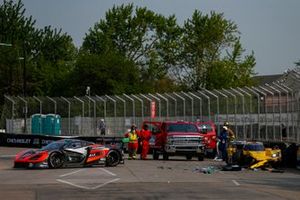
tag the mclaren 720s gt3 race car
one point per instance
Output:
(70, 153)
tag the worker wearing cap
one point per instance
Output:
(133, 142)
(231, 135)
(230, 146)
(223, 139)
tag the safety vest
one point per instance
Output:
(133, 137)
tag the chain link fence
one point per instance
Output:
(265, 113)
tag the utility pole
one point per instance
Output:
(24, 69)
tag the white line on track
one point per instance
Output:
(7, 156)
(111, 181)
(70, 173)
(236, 183)
(85, 187)
(73, 184)
(105, 170)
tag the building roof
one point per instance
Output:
(266, 79)
(290, 78)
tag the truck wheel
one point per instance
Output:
(211, 154)
(165, 156)
(155, 154)
(189, 157)
(200, 158)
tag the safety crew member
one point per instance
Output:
(133, 142)
(223, 139)
(145, 136)
(231, 135)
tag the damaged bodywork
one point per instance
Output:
(252, 155)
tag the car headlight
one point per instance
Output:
(274, 155)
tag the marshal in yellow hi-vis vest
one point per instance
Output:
(133, 137)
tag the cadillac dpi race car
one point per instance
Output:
(69, 153)
(252, 155)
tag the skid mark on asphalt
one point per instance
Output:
(89, 179)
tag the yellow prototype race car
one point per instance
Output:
(253, 155)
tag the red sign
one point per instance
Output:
(152, 108)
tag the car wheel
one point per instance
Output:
(112, 159)
(200, 158)
(155, 155)
(246, 161)
(55, 160)
(189, 157)
(211, 154)
(165, 156)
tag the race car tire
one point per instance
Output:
(55, 160)
(112, 159)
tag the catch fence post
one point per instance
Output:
(12, 111)
(183, 99)
(82, 114)
(200, 104)
(69, 114)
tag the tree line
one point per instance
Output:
(131, 50)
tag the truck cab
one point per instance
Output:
(170, 138)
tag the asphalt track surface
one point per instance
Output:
(139, 179)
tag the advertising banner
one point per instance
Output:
(37, 141)
(153, 109)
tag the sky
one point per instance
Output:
(269, 28)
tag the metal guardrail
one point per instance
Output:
(263, 113)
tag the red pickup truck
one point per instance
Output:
(170, 138)
(209, 133)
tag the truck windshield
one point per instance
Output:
(181, 128)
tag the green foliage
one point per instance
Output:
(14, 28)
(232, 71)
(131, 50)
(202, 64)
(140, 35)
(47, 55)
(104, 74)
(54, 60)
